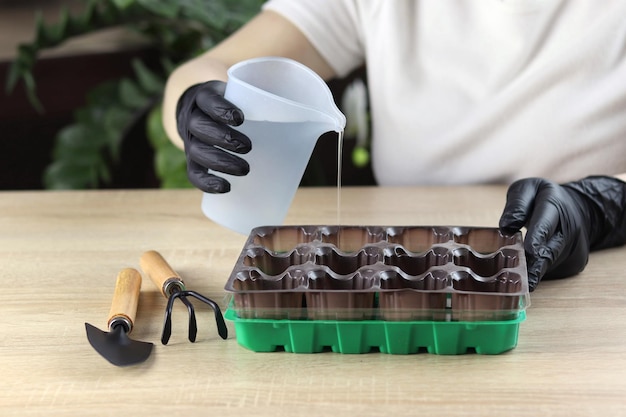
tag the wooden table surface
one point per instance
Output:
(61, 251)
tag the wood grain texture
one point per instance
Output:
(160, 272)
(60, 252)
(125, 297)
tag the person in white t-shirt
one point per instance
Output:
(530, 93)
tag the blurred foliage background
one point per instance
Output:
(86, 150)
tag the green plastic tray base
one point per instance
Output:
(393, 337)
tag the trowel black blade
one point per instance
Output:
(116, 347)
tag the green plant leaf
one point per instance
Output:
(160, 7)
(178, 179)
(51, 35)
(123, 4)
(72, 138)
(104, 173)
(116, 122)
(131, 95)
(149, 81)
(103, 95)
(65, 175)
(171, 167)
(154, 128)
(21, 69)
(80, 139)
(170, 163)
(31, 92)
(83, 22)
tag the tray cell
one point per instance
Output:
(343, 298)
(418, 264)
(407, 298)
(483, 240)
(419, 239)
(344, 264)
(478, 298)
(351, 238)
(283, 239)
(486, 265)
(272, 264)
(260, 297)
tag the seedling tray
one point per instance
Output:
(399, 290)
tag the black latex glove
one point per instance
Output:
(565, 222)
(203, 119)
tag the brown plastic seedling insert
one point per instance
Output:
(400, 273)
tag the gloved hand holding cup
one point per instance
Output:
(285, 107)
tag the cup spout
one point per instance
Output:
(332, 119)
(340, 121)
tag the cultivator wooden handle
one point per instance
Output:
(161, 273)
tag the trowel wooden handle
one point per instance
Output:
(161, 273)
(125, 298)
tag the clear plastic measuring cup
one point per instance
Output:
(286, 108)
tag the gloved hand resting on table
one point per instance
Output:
(204, 119)
(565, 222)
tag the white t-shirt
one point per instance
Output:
(481, 91)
